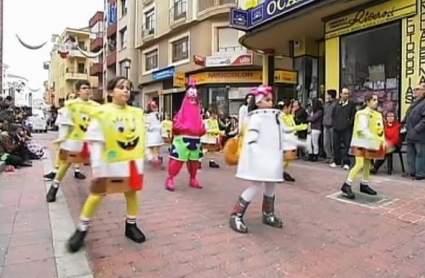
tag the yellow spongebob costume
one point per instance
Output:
(73, 120)
(290, 147)
(368, 141)
(116, 136)
(167, 126)
(210, 141)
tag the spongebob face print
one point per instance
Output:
(127, 138)
(80, 115)
(84, 122)
(376, 124)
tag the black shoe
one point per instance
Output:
(288, 177)
(346, 189)
(79, 176)
(50, 176)
(76, 241)
(364, 188)
(309, 157)
(315, 158)
(269, 218)
(417, 178)
(236, 217)
(51, 194)
(214, 165)
(374, 171)
(134, 233)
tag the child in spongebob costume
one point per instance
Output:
(73, 122)
(77, 171)
(292, 143)
(117, 142)
(188, 128)
(368, 143)
(167, 125)
(210, 141)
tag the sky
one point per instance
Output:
(35, 21)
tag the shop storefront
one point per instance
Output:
(366, 46)
(226, 90)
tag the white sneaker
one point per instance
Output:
(332, 165)
(346, 167)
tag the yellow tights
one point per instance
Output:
(93, 201)
(154, 151)
(286, 164)
(361, 163)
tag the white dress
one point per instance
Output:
(262, 152)
(154, 127)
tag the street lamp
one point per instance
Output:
(127, 64)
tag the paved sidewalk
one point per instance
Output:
(188, 234)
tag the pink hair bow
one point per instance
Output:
(261, 90)
(192, 82)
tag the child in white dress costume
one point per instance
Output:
(261, 158)
(154, 135)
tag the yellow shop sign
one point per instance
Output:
(369, 17)
(289, 77)
(179, 80)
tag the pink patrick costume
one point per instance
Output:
(188, 129)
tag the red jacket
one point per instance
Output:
(392, 134)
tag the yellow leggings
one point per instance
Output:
(286, 164)
(154, 151)
(62, 167)
(361, 163)
(93, 201)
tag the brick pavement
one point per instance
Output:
(188, 234)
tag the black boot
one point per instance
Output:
(236, 218)
(310, 157)
(51, 194)
(315, 158)
(269, 218)
(50, 176)
(76, 241)
(134, 233)
(365, 188)
(79, 176)
(214, 165)
(346, 189)
(288, 177)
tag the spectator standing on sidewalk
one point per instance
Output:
(327, 124)
(415, 136)
(343, 120)
(315, 129)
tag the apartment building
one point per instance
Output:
(119, 41)
(96, 45)
(64, 72)
(181, 39)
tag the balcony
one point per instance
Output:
(98, 17)
(96, 44)
(148, 31)
(112, 30)
(111, 59)
(178, 13)
(96, 69)
(71, 74)
(215, 7)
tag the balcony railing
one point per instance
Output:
(111, 59)
(98, 93)
(96, 69)
(178, 11)
(236, 48)
(207, 4)
(148, 29)
(96, 44)
(71, 74)
(112, 30)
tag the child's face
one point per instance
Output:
(390, 117)
(266, 102)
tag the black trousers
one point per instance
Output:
(341, 143)
(14, 160)
(378, 163)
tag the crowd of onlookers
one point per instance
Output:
(331, 124)
(17, 147)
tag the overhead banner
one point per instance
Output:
(412, 55)
(369, 17)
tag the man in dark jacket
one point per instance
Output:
(415, 136)
(327, 124)
(343, 121)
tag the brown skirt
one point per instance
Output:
(111, 186)
(369, 154)
(290, 155)
(72, 157)
(211, 147)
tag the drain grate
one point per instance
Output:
(363, 199)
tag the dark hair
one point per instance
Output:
(9, 98)
(368, 97)
(81, 83)
(112, 84)
(332, 93)
(252, 105)
(316, 105)
(245, 102)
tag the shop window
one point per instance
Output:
(180, 49)
(219, 100)
(151, 60)
(370, 62)
(123, 38)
